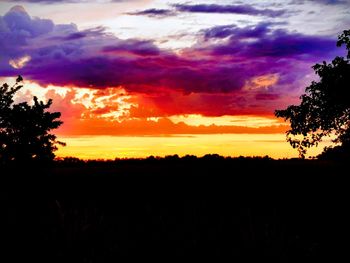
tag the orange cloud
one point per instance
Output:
(261, 82)
(162, 126)
(113, 111)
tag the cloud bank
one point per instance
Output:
(227, 71)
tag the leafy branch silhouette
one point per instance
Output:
(325, 107)
(25, 129)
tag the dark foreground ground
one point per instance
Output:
(241, 210)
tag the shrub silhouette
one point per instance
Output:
(25, 129)
(325, 106)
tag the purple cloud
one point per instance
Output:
(210, 8)
(18, 21)
(267, 96)
(241, 33)
(269, 51)
(60, 54)
(228, 9)
(261, 41)
(153, 12)
(325, 2)
(137, 47)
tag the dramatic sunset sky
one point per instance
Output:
(134, 78)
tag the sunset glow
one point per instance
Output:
(105, 147)
(150, 77)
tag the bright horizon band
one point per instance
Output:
(234, 145)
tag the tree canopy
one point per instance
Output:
(25, 129)
(325, 107)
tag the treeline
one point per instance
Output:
(157, 159)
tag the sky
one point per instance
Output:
(152, 77)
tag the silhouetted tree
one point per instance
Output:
(325, 106)
(25, 129)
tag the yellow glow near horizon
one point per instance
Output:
(226, 120)
(110, 147)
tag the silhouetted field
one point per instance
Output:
(243, 209)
